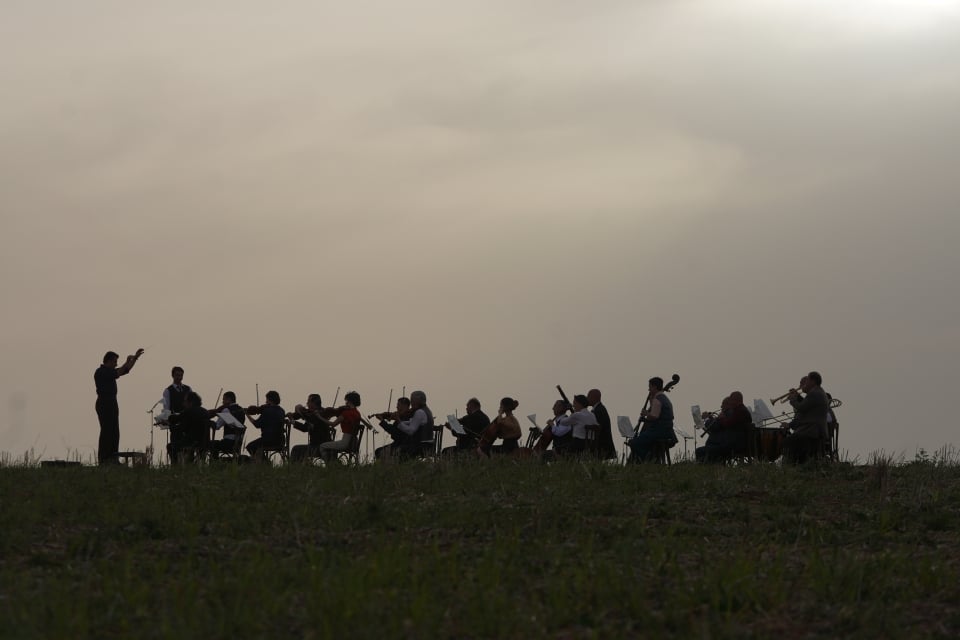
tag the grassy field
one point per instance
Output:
(497, 549)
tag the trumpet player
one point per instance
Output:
(809, 425)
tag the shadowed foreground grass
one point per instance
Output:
(480, 550)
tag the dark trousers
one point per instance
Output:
(799, 449)
(644, 447)
(108, 413)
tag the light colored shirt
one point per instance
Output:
(166, 396)
(411, 426)
(576, 422)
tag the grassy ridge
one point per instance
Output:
(480, 550)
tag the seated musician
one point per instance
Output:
(310, 420)
(579, 421)
(271, 424)
(349, 421)
(809, 425)
(389, 421)
(561, 443)
(189, 430)
(232, 435)
(414, 436)
(657, 431)
(504, 426)
(727, 431)
(474, 422)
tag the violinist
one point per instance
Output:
(412, 434)
(271, 425)
(309, 419)
(504, 426)
(348, 419)
(389, 421)
(190, 430)
(232, 434)
(474, 422)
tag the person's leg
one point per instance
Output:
(108, 413)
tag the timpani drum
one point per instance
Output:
(769, 443)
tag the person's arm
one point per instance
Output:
(411, 426)
(562, 426)
(125, 368)
(654, 412)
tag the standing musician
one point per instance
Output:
(474, 422)
(271, 425)
(504, 426)
(603, 445)
(189, 430)
(174, 395)
(108, 410)
(232, 436)
(657, 429)
(809, 424)
(309, 419)
(727, 431)
(348, 418)
(390, 420)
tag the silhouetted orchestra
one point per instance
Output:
(577, 429)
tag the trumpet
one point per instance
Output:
(784, 397)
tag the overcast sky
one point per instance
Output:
(480, 198)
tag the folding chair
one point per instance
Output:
(282, 450)
(351, 456)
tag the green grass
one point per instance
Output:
(502, 549)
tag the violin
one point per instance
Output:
(393, 415)
(333, 412)
(253, 410)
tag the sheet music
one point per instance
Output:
(697, 416)
(455, 425)
(227, 418)
(533, 418)
(625, 426)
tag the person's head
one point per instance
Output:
(314, 402)
(593, 397)
(192, 399)
(110, 359)
(814, 379)
(656, 384)
(508, 404)
(177, 374)
(418, 399)
(352, 398)
(403, 404)
(273, 397)
(736, 399)
(726, 404)
(560, 407)
(229, 397)
(473, 405)
(580, 402)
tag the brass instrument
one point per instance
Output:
(784, 397)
